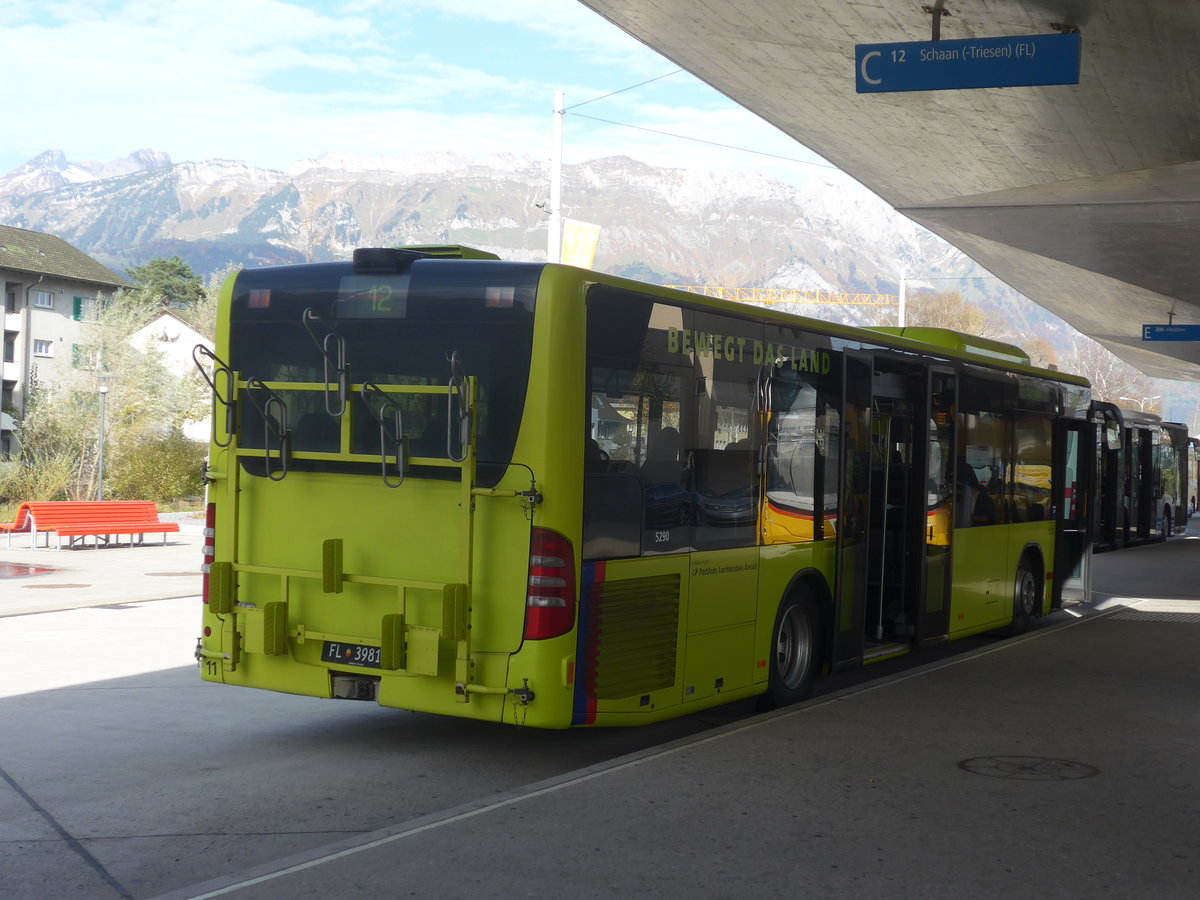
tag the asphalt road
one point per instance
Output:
(122, 774)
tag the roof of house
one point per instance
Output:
(168, 325)
(45, 254)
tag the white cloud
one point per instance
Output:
(566, 23)
(271, 82)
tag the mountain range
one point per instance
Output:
(663, 225)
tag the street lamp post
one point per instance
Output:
(100, 457)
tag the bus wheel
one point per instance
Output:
(795, 651)
(1025, 597)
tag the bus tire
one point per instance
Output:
(1025, 596)
(795, 651)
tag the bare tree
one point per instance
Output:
(1040, 351)
(1111, 377)
(947, 310)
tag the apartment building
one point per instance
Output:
(50, 289)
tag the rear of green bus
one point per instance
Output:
(379, 524)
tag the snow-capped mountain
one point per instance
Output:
(52, 169)
(673, 226)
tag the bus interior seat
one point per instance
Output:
(364, 433)
(432, 440)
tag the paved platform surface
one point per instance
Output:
(44, 580)
(1062, 764)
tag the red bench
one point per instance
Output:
(78, 519)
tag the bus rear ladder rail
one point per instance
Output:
(221, 371)
(335, 358)
(270, 423)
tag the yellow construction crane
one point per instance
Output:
(788, 295)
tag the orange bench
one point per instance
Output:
(78, 519)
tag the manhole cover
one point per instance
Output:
(29, 586)
(1028, 768)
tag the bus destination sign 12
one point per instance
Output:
(1023, 61)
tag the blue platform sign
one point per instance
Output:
(1033, 59)
(1171, 332)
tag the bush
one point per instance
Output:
(46, 476)
(156, 467)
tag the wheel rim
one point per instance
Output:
(1025, 594)
(793, 649)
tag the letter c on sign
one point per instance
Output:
(863, 68)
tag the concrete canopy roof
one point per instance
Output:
(1085, 198)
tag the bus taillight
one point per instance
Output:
(550, 603)
(210, 530)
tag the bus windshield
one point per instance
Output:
(395, 328)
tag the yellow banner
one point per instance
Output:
(579, 243)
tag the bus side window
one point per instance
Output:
(663, 462)
(612, 516)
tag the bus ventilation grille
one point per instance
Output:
(633, 628)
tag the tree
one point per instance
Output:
(163, 282)
(52, 457)
(145, 406)
(947, 310)
(1111, 377)
(203, 314)
(1040, 351)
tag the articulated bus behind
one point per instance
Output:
(535, 494)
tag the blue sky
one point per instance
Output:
(275, 81)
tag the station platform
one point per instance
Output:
(1059, 764)
(42, 579)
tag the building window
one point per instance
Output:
(85, 357)
(43, 348)
(85, 309)
(43, 299)
(10, 301)
(10, 346)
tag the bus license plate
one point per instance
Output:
(351, 654)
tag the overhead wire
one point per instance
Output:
(622, 90)
(682, 137)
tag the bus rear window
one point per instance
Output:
(391, 329)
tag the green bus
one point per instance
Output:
(535, 494)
